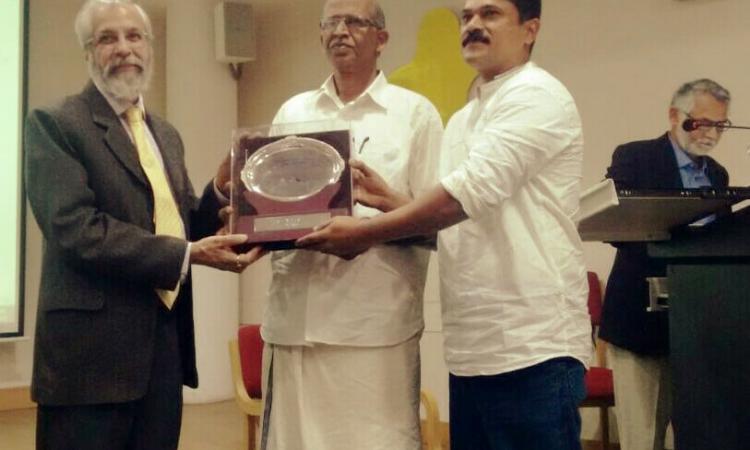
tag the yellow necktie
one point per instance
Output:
(167, 219)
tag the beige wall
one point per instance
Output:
(202, 104)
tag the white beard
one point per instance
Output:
(126, 86)
(695, 147)
(698, 150)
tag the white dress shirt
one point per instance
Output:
(376, 298)
(513, 277)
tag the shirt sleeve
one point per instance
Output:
(185, 263)
(219, 195)
(524, 131)
(425, 155)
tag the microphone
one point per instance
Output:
(690, 125)
(693, 124)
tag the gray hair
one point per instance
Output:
(377, 15)
(84, 26)
(684, 98)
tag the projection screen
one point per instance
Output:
(12, 210)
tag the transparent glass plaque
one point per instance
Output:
(292, 169)
(287, 179)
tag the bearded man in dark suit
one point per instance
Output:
(639, 340)
(114, 337)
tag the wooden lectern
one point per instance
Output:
(709, 302)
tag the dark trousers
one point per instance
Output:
(535, 408)
(148, 423)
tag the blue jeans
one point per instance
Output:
(535, 408)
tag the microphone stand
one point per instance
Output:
(694, 124)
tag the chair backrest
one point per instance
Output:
(595, 299)
(430, 426)
(251, 358)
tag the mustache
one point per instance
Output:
(130, 60)
(334, 42)
(475, 35)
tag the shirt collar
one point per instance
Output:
(374, 92)
(683, 159)
(493, 86)
(119, 106)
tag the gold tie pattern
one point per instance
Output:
(167, 219)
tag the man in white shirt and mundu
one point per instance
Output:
(513, 277)
(342, 352)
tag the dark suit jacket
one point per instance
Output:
(625, 321)
(102, 262)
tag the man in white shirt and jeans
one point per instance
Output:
(342, 355)
(513, 278)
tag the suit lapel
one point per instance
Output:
(115, 136)
(667, 162)
(716, 173)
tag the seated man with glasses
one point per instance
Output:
(639, 349)
(342, 337)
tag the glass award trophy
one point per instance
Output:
(287, 179)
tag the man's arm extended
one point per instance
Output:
(348, 237)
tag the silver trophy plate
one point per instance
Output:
(292, 169)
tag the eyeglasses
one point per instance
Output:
(351, 22)
(706, 124)
(107, 38)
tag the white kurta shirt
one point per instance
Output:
(376, 298)
(513, 277)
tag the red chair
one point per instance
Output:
(246, 355)
(599, 386)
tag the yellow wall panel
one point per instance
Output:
(438, 70)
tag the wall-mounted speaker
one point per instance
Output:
(234, 32)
